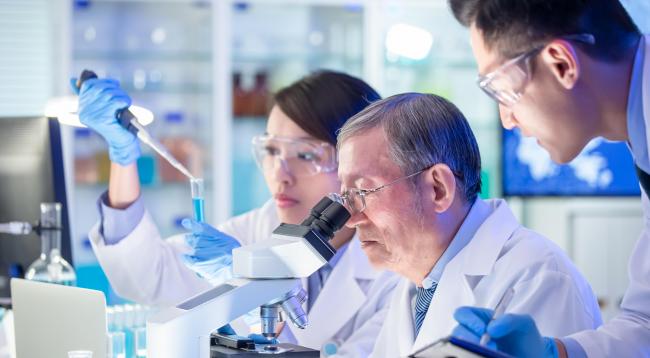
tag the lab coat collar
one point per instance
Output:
(461, 274)
(636, 126)
(405, 317)
(478, 213)
(645, 94)
(480, 254)
(340, 299)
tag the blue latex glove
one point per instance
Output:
(99, 102)
(513, 334)
(212, 251)
(257, 338)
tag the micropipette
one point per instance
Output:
(130, 122)
(499, 310)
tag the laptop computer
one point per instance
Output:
(51, 320)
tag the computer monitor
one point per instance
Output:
(604, 168)
(31, 172)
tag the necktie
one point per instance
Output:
(422, 302)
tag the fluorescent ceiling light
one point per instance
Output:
(409, 41)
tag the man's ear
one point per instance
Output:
(561, 57)
(439, 187)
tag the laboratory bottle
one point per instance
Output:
(239, 98)
(50, 266)
(85, 163)
(147, 166)
(260, 95)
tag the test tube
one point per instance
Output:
(198, 202)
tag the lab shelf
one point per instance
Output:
(139, 56)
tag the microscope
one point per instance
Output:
(267, 275)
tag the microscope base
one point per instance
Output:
(287, 350)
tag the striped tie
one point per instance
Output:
(422, 302)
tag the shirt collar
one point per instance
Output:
(635, 120)
(337, 256)
(479, 212)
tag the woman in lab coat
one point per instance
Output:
(298, 159)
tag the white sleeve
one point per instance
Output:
(556, 302)
(253, 226)
(627, 334)
(145, 268)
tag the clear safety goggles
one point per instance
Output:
(300, 157)
(506, 83)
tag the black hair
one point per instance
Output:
(323, 101)
(513, 27)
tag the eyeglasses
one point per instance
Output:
(506, 83)
(301, 157)
(355, 199)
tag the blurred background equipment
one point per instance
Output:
(207, 69)
(31, 173)
(50, 266)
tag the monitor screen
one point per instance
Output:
(31, 172)
(603, 168)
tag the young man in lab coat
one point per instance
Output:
(410, 172)
(565, 72)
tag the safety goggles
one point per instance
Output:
(506, 83)
(300, 157)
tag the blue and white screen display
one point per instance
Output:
(603, 168)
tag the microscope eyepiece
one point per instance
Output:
(316, 211)
(336, 215)
(331, 219)
(319, 227)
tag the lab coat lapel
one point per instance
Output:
(473, 261)
(401, 320)
(645, 91)
(340, 299)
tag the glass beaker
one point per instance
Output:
(50, 266)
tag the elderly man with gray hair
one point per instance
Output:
(410, 167)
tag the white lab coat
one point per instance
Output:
(502, 254)
(348, 312)
(628, 334)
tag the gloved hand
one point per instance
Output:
(99, 102)
(212, 251)
(257, 338)
(514, 334)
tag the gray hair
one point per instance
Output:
(423, 130)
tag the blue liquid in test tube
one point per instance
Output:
(199, 213)
(198, 202)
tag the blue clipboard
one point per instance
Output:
(456, 347)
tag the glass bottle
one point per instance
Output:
(50, 266)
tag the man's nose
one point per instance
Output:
(355, 220)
